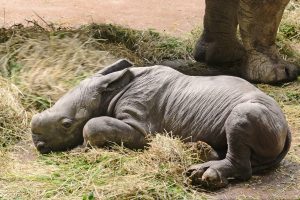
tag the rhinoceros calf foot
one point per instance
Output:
(215, 174)
(104, 131)
(268, 67)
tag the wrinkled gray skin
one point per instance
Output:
(122, 105)
(258, 21)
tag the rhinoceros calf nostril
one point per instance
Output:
(40, 145)
(42, 148)
(287, 72)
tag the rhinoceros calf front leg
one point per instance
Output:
(102, 131)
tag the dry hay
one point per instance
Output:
(116, 173)
(13, 117)
(45, 68)
(45, 64)
(152, 47)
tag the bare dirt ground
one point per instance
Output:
(172, 16)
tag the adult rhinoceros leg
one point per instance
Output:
(103, 131)
(218, 43)
(252, 131)
(259, 21)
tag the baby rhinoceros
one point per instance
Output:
(122, 105)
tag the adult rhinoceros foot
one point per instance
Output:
(218, 52)
(268, 67)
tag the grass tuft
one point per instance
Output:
(149, 45)
(13, 117)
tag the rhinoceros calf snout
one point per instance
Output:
(36, 124)
(37, 134)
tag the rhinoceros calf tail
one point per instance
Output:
(279, 158)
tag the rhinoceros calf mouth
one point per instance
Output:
(44, 146)
(40, 145)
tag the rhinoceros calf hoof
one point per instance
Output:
(215, 174)
(201, 175)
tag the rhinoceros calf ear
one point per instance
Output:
(118, 80)
(117, 66)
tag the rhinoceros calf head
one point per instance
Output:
(60, 127)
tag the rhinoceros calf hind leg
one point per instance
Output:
(103, 131)
(249, 131)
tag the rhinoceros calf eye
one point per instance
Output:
(66, 123)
